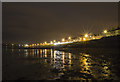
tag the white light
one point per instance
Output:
(51, 42)
(105, 31)
(86, 35)
(26, 45)
(69, 38)
(45, 42)
(63, 39)
(54, 40)
(62, 43)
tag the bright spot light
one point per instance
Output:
(26, 45)
(54, 40)
(84, 39)
(69, 38)
(62, 43)
(58, 41)
(45, 42)
(93, 38)
(38, 44)
(105, 31)
(32, 44)
(51, 42)
(86, 35)
(90, 36)
(63, 39)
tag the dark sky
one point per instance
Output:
(38, 22)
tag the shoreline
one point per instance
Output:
(105, 42)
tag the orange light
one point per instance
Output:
(84, 39)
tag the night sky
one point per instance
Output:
(38, 22)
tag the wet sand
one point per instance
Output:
(63, 64)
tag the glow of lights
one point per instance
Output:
(12, 44)
(32, 44)
(105, 31)
(84, 39)
(86, 35)
(90, 36)
(26, 45)
(38, 44)
(51, 42)
(63, 39)
(69, 38)
(80, 39)
(54, 40)
(19, 45)
(45, 42)
(62, 43)
(93, 38)
(58, 41)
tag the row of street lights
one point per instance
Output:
(69, 38)
(63, 41)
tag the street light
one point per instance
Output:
(58, 41)
(105, 31)
(93, 37)
(63, 39)
(86, 35)
(12, 45)
(54, 40)
(45, 42)
(26, 45)
(32, 44)
(51, 42)
(69, 38)
(84, 39)
(38, 44)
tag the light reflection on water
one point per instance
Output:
(67, 65)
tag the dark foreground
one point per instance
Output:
(64, 64)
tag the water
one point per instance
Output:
(50, 64)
